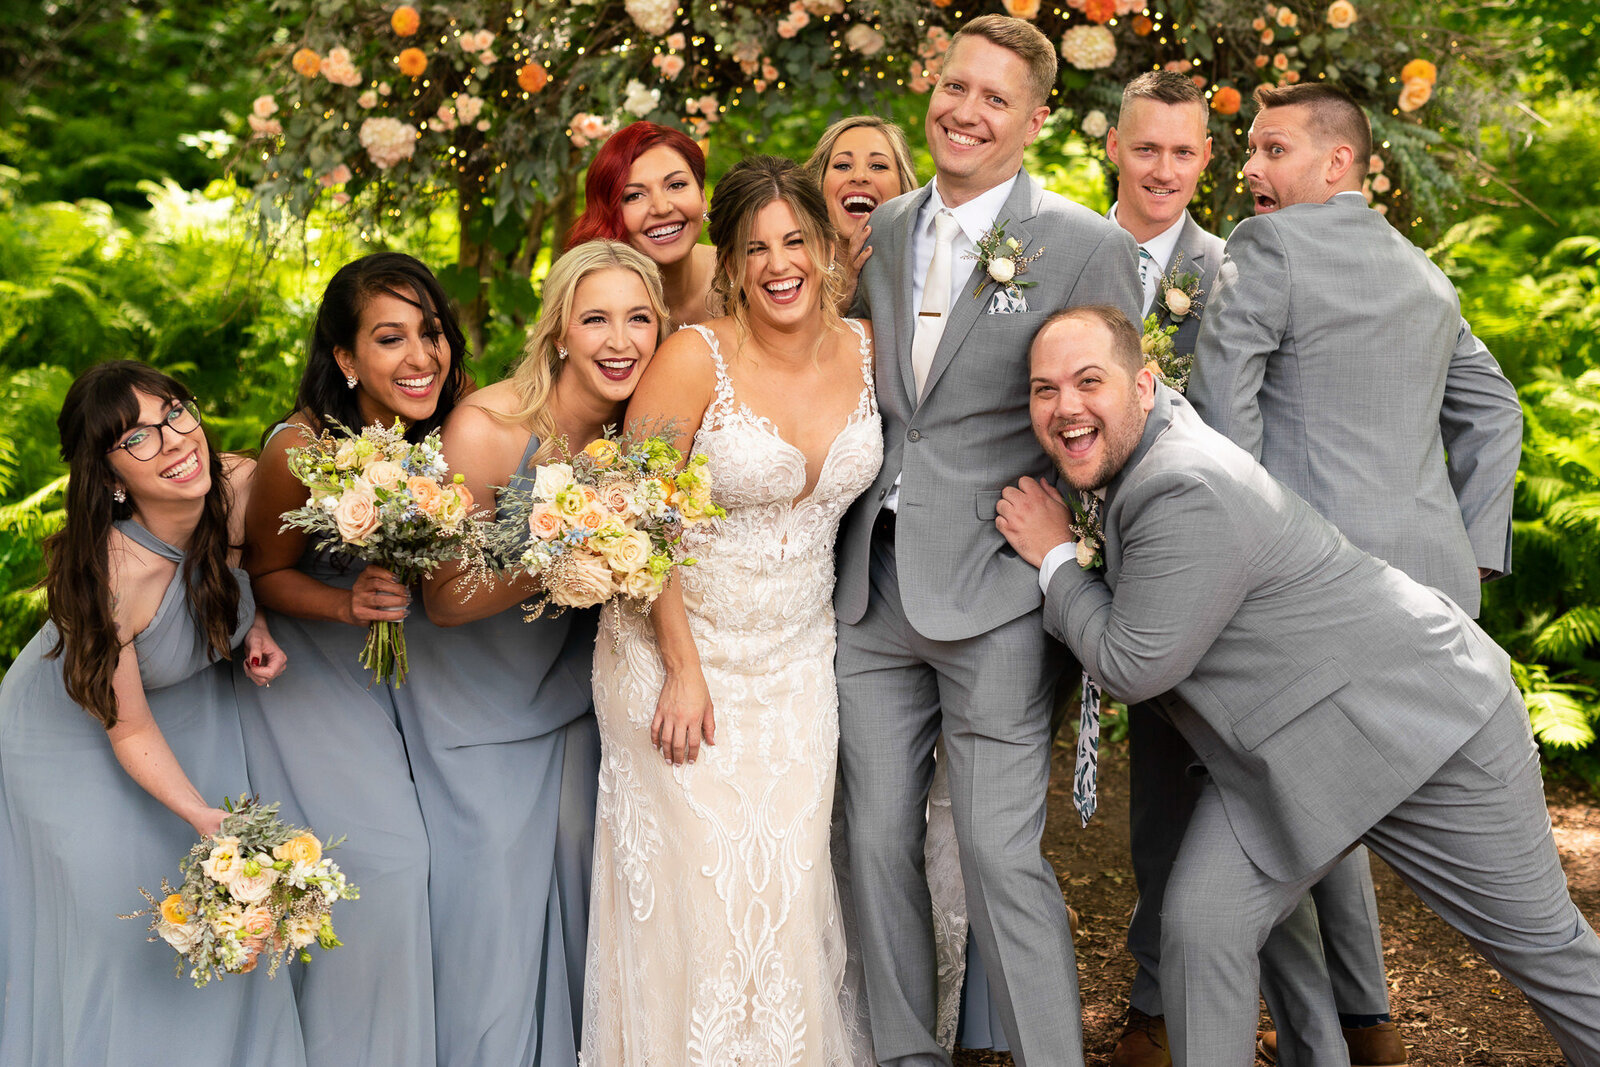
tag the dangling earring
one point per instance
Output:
(119, 495)
(561, 352)
(351, 381)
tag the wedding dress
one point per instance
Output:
(715, 933)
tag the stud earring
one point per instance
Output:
(705, 216)
(119, 495)
(351, 381)
(561, 351)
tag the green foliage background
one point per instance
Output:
(123, 236)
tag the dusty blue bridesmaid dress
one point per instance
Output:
(506, 755)
(77, 839)
(329, 749)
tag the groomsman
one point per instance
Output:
(1333, 351)
(939, 620)
(1160, 148)
(1331, 698)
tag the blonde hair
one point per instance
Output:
(534, 377)
(748, 186)
(817, 166)
(1023, 38)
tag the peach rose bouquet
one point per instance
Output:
(605, 523)
(258, 889)
(379, 498)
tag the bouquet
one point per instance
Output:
(258, 886)
(606, 522)
(382, 499)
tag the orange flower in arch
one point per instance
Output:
(1226, 101)
(1143, 25)
(405, 20)
(1100, 10)
(413, 61)
(306, 63)
(533, 77)
(1022, 9)
(1419, 70)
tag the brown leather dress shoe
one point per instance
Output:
(1143, 1042)
(1370, 1046)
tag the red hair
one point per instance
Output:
(602, 190)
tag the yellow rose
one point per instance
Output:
(175, 910)
(1341, 13)
(628, 553)
(356, 514)
(605, 453)
(1414, 95)
(642, 585)
(384, 474)
(302, 848)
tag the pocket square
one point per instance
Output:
(1007, 302)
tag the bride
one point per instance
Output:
(715, 930)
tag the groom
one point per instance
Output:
(939, 620)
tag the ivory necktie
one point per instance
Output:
(935, 298)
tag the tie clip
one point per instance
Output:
(931, 314)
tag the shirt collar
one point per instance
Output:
(1162, 245)
(977, 216)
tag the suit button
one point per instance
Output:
(882, 493)
(914, 435)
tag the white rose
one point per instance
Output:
(252, 889)
(550, 479)
(639, 100)
(224, 860)
(628, 553)
(183, 938)
(585, 581)
(1178, 303)
(1095, 124)
(1002, 270)
(1085, 553)
(642, 585)
(863, 39)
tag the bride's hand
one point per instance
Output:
(684, 717)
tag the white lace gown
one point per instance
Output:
(715, 935)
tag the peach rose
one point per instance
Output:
(413, 61)
(302, 848)
(405, 20)
(591, 517)
(356, 514)
(1416, 93)
(1375, 164)
(1226, 101)
(306, 63)
(384, 474)
(425, 493)
(1291, 76)
(257, 922)
(532, 77)
(671, 66)
(1280, 62)
(618, 498)
(1419, 69)
(252, 888)
(586, 581)
(1341, 14)
(544, 522)
(1287, 18)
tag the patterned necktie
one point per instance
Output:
(1145, 259)
(1086, 767)
(935, 298)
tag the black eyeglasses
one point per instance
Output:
(145, 442)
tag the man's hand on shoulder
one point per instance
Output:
(1033, 517)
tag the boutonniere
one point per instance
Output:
(1002, 261)
(1178, 292)
(1085, 527)
(1161, 356)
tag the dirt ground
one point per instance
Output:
(1453, 1008)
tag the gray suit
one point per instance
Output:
(1335, 353)
(1333, 700)
(939, 631)
(1161, 791)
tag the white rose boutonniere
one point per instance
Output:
(1178, 292)
(1002, 261)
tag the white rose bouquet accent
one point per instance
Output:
(604, 523)
(256, 887)
(1178, 292)
(379, 498)
(1002, 261)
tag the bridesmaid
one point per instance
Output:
(860, 162)
(119, 732)
(497, 711)
(646, 188)
(325, 741)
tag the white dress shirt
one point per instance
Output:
(1161, 248)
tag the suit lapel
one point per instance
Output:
(905, 316)
(1019, 210)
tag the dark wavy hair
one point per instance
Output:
(101, 406)
(323, 392)
(608, 174)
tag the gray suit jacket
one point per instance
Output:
(1202, 255)
(1334, 352)
(1319, 686)
(969, 437)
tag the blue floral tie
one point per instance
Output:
(1085, 769)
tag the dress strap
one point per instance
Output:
(869, 394)
(724, 402)
(522, 472)
(275, 430)
(134, 532)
